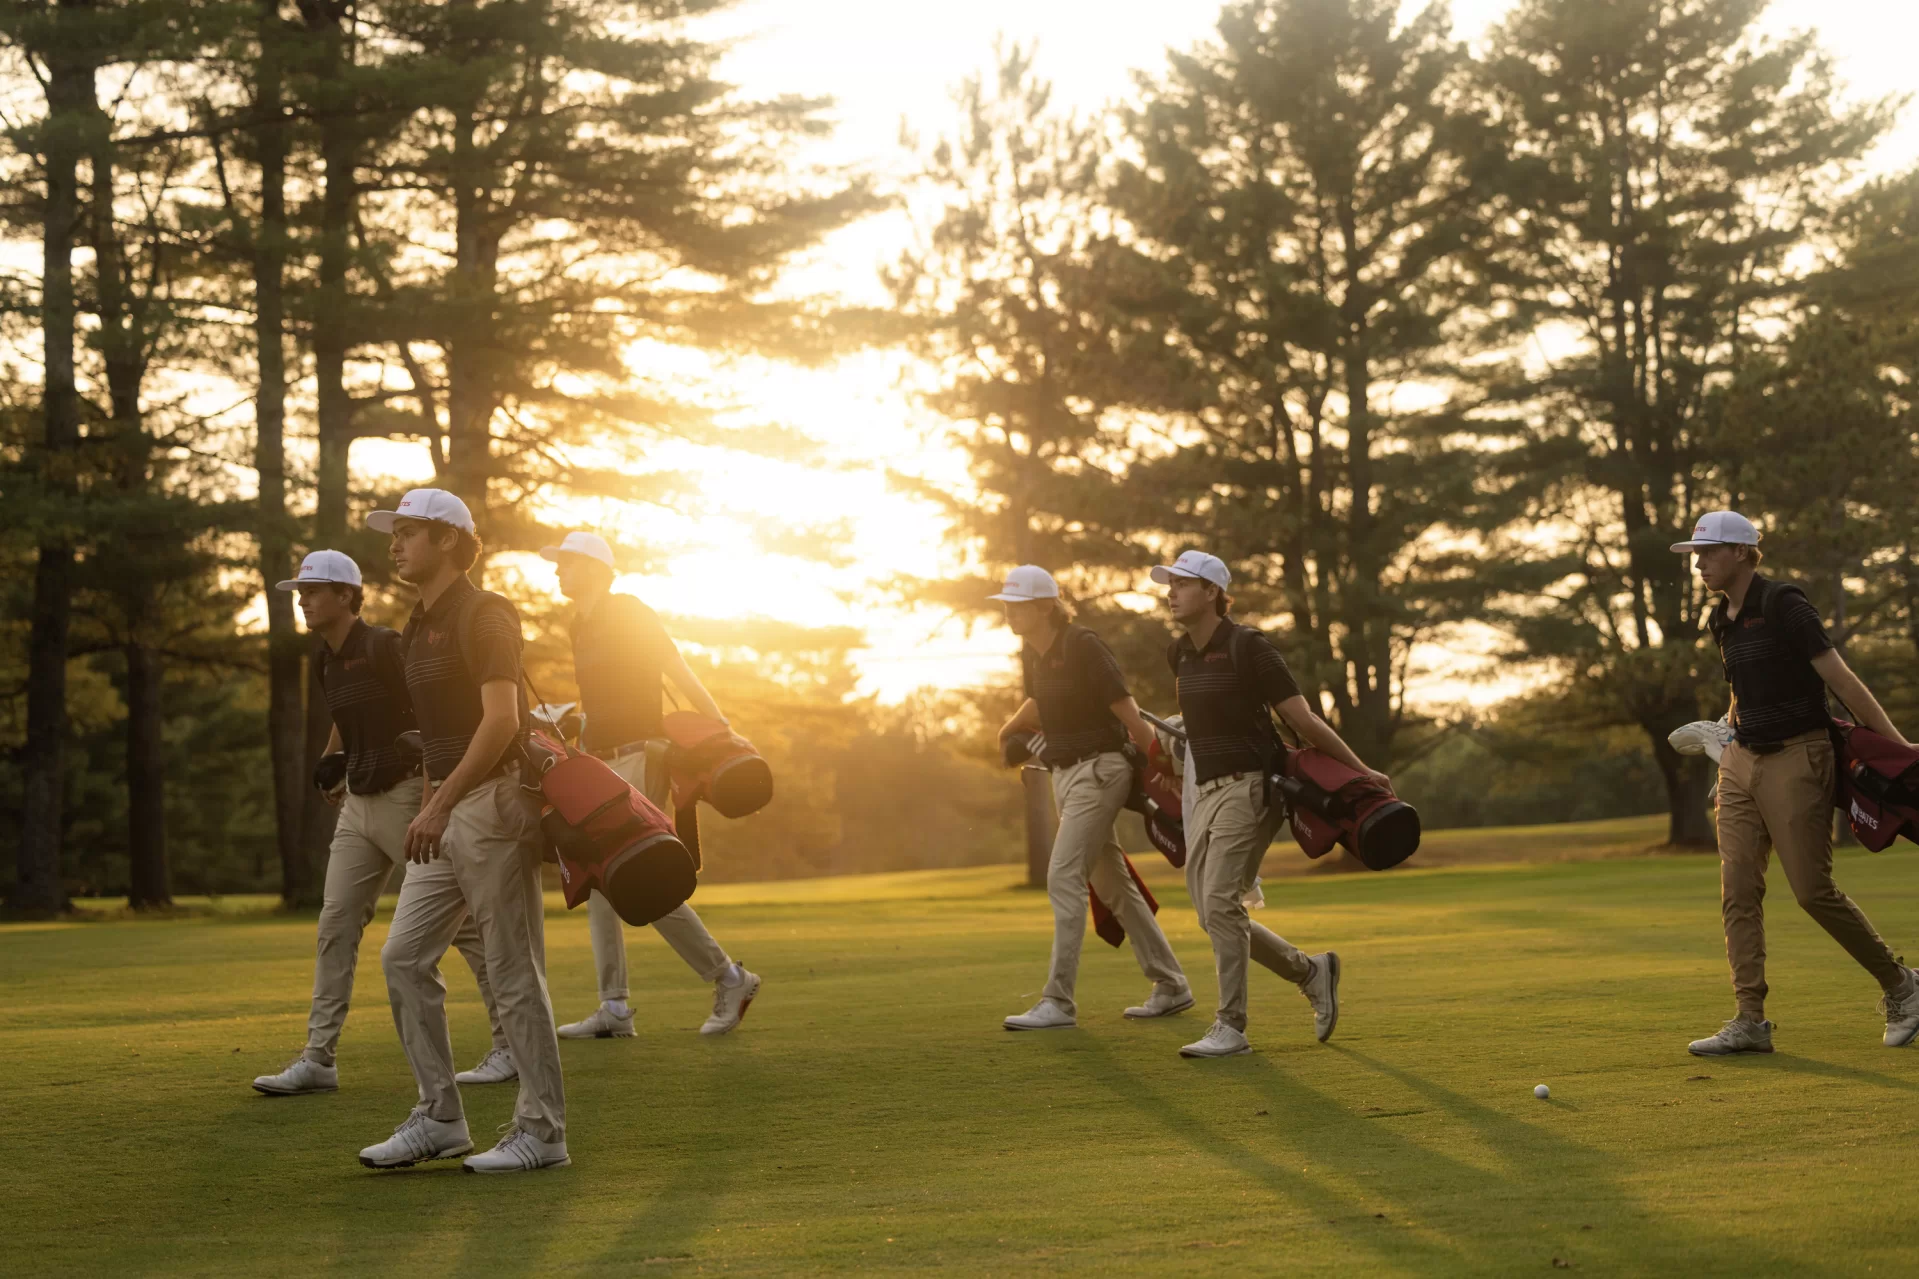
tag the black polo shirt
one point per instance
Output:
(1767, 651)
(365, 688)
(1075, 683)
(468, 638)
(620, 649)
(1227, 723)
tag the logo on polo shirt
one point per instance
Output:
(436, 638)
(353, 662)
(1219, 657)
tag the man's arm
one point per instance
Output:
(1025, 720)
(1852, 690)
(1126, 711)
(499, 721)
(1314, 731)
(687, 682)
(333, 747)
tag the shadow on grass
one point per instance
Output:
(1547, 1172)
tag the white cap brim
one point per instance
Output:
(382, 521)
(1164, 575)
(1004, 598)
(1696, 545)
(294, 584)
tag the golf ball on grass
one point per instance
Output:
(1542, 1092)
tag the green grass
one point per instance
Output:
(871, 1114)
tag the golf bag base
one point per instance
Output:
(604, 834)
(1330, 804)
(710, 761)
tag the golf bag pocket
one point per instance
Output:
(606, 835)
(709, 761)
(1330, 804)
(1876, 785)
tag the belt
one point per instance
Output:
(1773, 748)
(1080, 758)
(407, 776)
(1213, 784)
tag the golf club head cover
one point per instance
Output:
(330, 772)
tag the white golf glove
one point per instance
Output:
(1702, 737)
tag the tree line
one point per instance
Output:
(1421, 337)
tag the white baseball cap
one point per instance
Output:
(591, 545)
(324, 566)
(424, 504)
(1720, 528)
(1027, 582)
(1207, 568)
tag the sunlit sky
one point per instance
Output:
(885, 64)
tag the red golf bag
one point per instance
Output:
(1329, 803)
(1156, 798)
(1875, 784)
(606, 835)
(709, 761)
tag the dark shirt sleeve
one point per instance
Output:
(1270, 677)
(1099, 671)
(491, 641)
(1026, 670)
(1804, 631)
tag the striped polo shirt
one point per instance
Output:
(1228, 727)
(365, 690)
(1767, 651)
(469, 637)
(1075, 683)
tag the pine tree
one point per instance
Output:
(1665, 163)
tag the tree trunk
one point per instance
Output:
(147, 885)
(339, 148)
(1688, 778)
(285, 714)
(38, 889)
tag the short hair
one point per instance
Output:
(1749, 552)
(1061, 615)
(466, 546)
(355, 595)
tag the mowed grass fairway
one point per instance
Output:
(871, 1115)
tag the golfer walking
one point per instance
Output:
(378, 795)
(1077, 697)
(1776, 778)
(1227, 692)
(621, 656)
(475, 848)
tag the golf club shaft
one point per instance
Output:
(1162, 725)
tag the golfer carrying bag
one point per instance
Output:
(1230, 735)
(621, 655)
(1776, 778)
(378, 795)
(1076, 696)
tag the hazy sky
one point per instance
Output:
(886, 62)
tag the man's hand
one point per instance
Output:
(424, 833)
(336, 796)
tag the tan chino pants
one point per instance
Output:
(369, 840)
(1086, 850)
(682, 928)
(489, 864)
(1226, 837)
(1784, 801)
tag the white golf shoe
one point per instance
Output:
(603, 1024)
(1166, 999)
(1322, 992)
(731, 1002)
(1902, 1014)
(495, 1068)
(1736, 1036)
(1221, 1041)
(418, 1140)
(301, 1076)
(1045, 1015)
(519, 1152)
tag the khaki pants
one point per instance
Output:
(1226, 837)
(682, 929)
(369, 840)
(1090, 795)
(489, 864)
(1784, 801)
